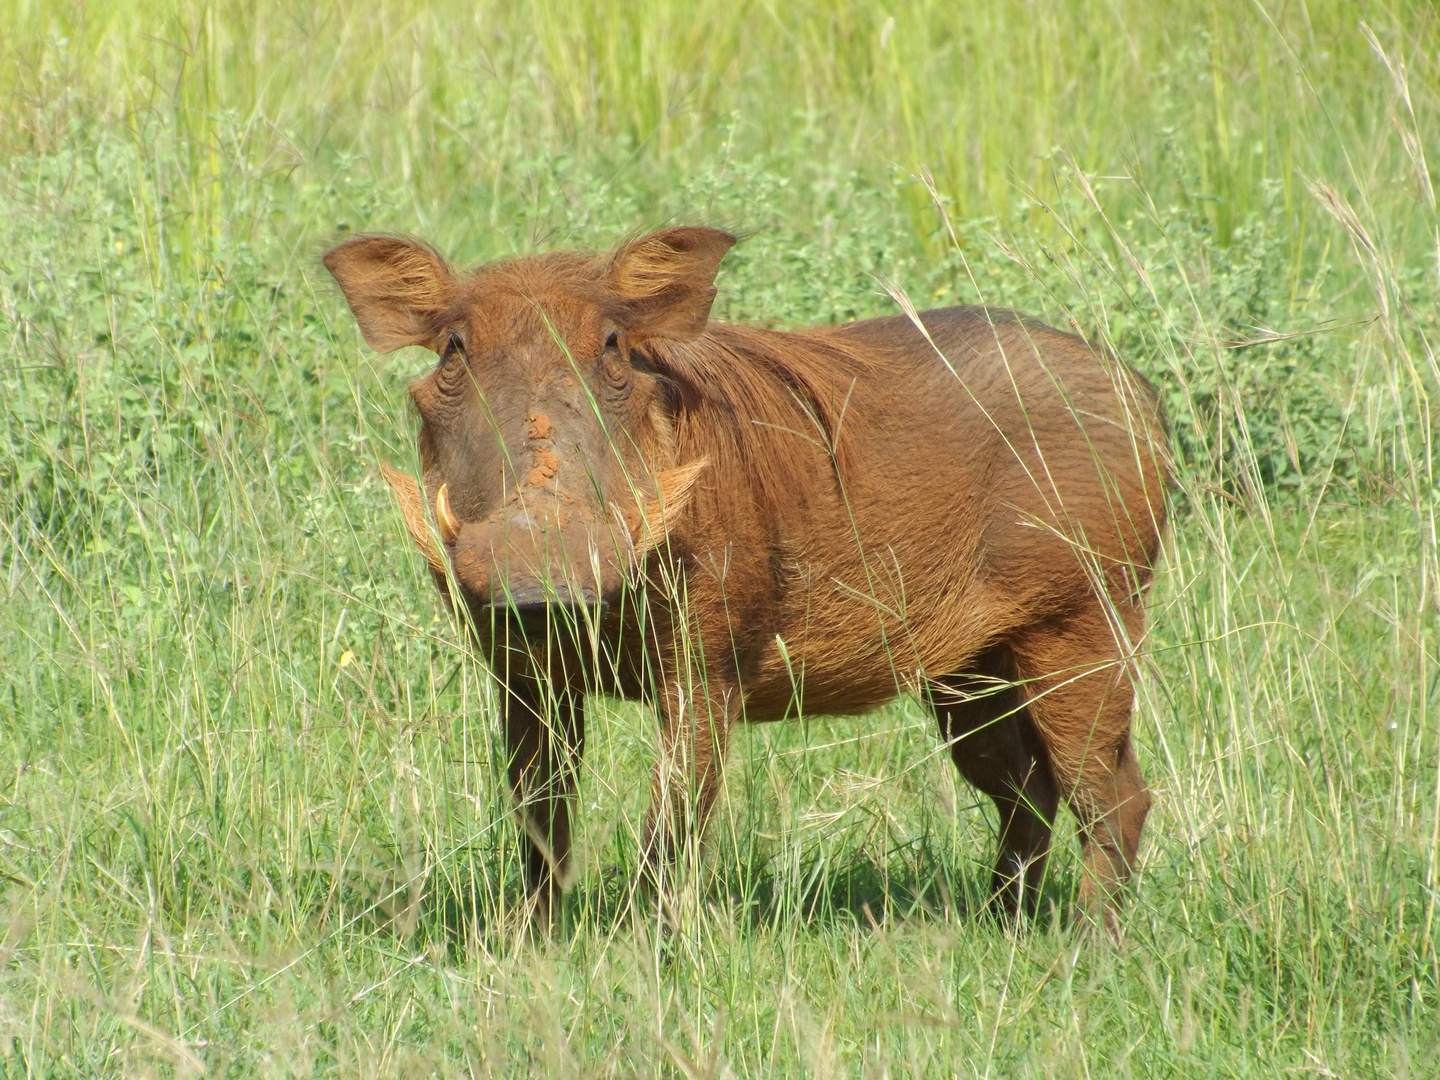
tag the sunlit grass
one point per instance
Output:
(251, 819)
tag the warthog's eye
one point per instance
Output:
(613, 370)
(449, 373)
(614, 366)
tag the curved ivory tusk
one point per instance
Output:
(444, 516)
(673, 490)
(412, 509)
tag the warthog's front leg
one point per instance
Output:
(696, 715)
(544, 743)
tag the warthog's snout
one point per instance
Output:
(533, 566)
(543, 562)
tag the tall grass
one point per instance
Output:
(251, 820)
(457, 102)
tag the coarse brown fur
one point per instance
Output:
(742, 524)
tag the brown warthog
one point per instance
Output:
(741, 524)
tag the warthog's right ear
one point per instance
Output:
(662, 285)
(396, 288)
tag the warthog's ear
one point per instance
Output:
(396, 288)
(662, 285)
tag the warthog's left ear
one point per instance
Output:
(662, 285)
(397, 289)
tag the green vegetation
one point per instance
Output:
(250, 815)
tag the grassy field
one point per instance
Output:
(250, 816)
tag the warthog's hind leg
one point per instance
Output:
(993, 740)
(695, 721)
(1076, 678)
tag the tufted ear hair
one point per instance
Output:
(662, 285)
(398, 289)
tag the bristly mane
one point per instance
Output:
(767, 403)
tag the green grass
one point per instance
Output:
(250, 814)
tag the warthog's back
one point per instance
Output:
(996, 472)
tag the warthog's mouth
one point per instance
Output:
(545, 621)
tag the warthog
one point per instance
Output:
(741, 524)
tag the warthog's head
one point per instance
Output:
(546, 446)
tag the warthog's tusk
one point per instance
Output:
(412, 508)
(444, 516)
(673, 489)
